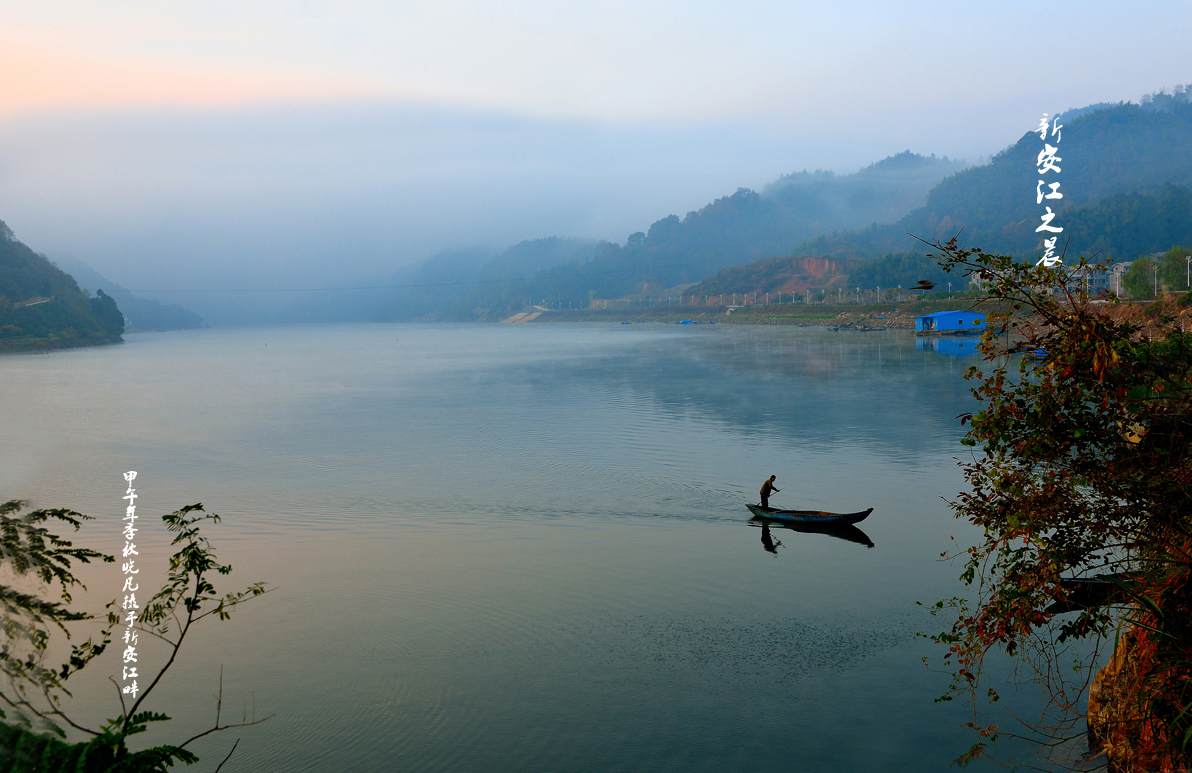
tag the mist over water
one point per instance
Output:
(526, 547)
(329, 195)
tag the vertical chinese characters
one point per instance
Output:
(1048, 162)
(129, 591)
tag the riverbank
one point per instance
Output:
(881, 315)
(28, 344)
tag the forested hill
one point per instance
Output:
(747, 225)
(464, 284)
(41, 306)
(141, 314)
(460, 284)
(1107, 153)
(879, 193)
(730, 231)
(1120, 227)
(773, 276)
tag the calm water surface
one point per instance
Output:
(525, 547)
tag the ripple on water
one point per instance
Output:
(517, 548)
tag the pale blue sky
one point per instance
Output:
(172, 141)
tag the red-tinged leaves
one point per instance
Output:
(1082, 468)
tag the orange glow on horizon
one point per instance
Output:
(40, 77)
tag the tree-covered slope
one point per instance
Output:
(747, 225)
(777, 275)
(41, 306)
(1120, 227)
(730, 231)
(880, 193)
(141, 314)
(1107, 152)
(461, 284)
(1127, 225)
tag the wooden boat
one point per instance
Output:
(809, 517)
(1091, 592)
(859, 328)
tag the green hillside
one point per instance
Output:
(1120, 227)
(1127, 225)
(1107, 154)
(466, 284)
(1126, 174)
(777, 275)
(140, 314)
(730, 231)
(41, 306)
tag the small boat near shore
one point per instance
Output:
(808, 517)
(1091, 592)
(859, 328)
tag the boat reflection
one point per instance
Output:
(848, 533)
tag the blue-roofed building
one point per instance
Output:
(950, 322)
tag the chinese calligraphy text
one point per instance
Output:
(129, 592)
(1048, 163)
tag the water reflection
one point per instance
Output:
(949, 346)
(819, 387)
(580, 603)
(768, 542)
(847, 533)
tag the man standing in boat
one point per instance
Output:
(769, 488)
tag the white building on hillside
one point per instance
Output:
(1115, 277)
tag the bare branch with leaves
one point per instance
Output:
(1082, 468)
(36, 691)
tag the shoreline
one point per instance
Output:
(42, 344)
(876, 315)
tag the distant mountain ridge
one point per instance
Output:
(1126, 172)
(42, 307)
(460, 284)
(1126, 175)
(1127, 184)
(484, 284)
(141, 314)
(1121, 227)
(1110, 151)
(881, 192)
(730, 231)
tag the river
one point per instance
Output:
(525, 547)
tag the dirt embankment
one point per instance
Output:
(892, 315)
(1172, 308)
(793, 275)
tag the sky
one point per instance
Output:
(212, 144)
